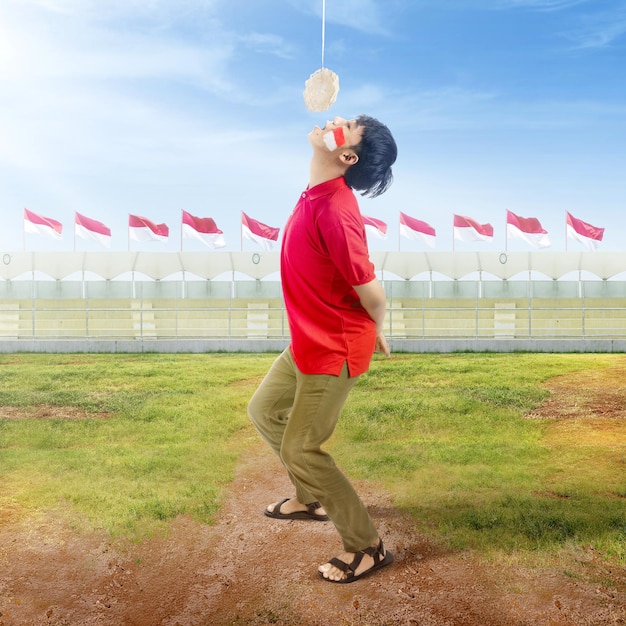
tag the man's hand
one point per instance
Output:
(372, 297)
(381, 345)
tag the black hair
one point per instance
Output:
(377, 152)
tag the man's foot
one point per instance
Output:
(351, 566)
(290, 508)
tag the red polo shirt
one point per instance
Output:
(324, 253)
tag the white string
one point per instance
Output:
(323, 29)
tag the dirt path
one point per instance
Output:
(250, 570)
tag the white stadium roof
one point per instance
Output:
(258, 265)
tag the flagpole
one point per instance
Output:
(398, 237)
(241, 233)
(506, 234)
(183, 290)
(453, 234)
(75, 232)
(133, 292)
(565, 231)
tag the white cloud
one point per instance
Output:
(457, 109)
(155, 10)
(269, 43)
(598, 27)
(367, 16)
(80, 93)
(598, 31)
(541, 5)
(499, 5)
(39, 46)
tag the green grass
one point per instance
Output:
(160, 436)
(446, 435)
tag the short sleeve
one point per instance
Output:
(346, 242)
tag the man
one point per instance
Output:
(335, 307)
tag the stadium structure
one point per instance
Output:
(231, 301)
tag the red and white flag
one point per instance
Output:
(590, 236)
(375, 227)
(141, 229)
(203, 228)
(527, 228)
(87, 228)
(417, 230)
(256, 231)
(467, 229)
(40, 225)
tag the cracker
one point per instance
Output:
(321, 90)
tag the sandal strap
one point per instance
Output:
(349, 569)
(339, 564)
(376, 552)
(278, 506)
(313, 507)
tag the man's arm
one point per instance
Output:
(372, 297)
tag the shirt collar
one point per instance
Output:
(327, 187)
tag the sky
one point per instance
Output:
(150, 107)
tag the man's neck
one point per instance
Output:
(321, 172)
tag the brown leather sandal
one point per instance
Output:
(381, 558)
(309, 514)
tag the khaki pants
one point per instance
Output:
(296, 413)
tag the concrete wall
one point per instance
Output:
(259, 325)
(273, 345)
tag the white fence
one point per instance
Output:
(218, 300)
(257, 318)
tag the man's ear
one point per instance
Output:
(349, 157)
